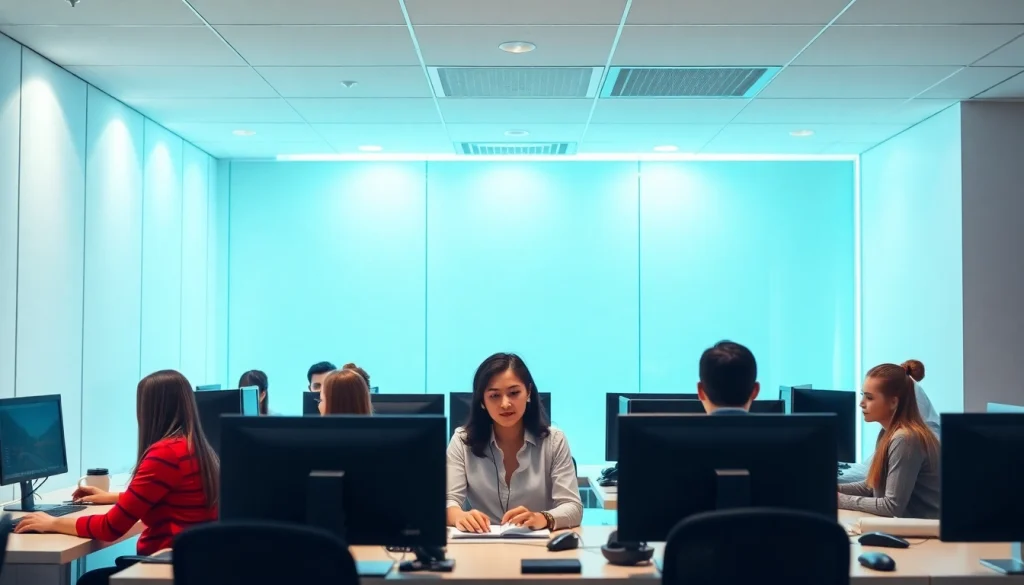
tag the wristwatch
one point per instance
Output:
(550, 520)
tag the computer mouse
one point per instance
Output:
(877, 561)
(882, 539)
(564, 541)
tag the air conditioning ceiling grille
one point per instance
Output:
(709, 82)
(515, 148)
(514, 82)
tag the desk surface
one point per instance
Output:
(499, 561)
(58, 549)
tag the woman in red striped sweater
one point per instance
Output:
(174, 484)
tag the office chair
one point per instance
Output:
(6, 526)
(261, 553)
(746, 545)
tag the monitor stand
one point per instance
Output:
(28, 501)
(732, 489)
(1010, 566)
(325, 508)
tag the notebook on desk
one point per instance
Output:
(503, 531)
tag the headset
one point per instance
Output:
(497, 483)
(626, 554)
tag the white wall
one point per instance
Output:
(993, 242)
(101, 213)
(912, 301)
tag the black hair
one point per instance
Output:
(479, 426)
(728, 371)
(319, 368)
(258, 379)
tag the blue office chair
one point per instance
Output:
(261, 553)
(748, 545)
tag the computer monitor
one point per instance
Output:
(408, 404)
(31, 446)
(674, 466)
(207, 387)
(842, 403)
(310, 403)
(982, 477)
(783, 390)
(325, 471)
(996, 407)
(611, 415)
(641, 406)
(459, 404)
(215, 403)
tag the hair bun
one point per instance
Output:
(909, 370)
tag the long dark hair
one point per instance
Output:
(479, 426)
(258, 379)
(166, 408)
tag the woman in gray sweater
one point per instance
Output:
(903, 480)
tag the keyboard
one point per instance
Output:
(56, 512)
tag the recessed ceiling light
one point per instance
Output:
(370, 148)
(517, 47)
(514, 133)
(244, 132)
(802, 133)
(666, 148)
(348, 83)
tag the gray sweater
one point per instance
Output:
(910, 488)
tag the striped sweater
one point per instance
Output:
(165, 494)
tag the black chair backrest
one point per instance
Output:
(260, 553)
(5, 533)
(746, 545)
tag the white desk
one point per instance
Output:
(45, 559)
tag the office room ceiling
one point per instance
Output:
(825, 76)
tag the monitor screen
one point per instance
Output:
(459, 403)
(250, 400)
(310, 403)
(408, 404)
(842, 403)
(215, 403)
(207, 387)
(644, 406)
(996, 407)
(611, 415)
(31, 439)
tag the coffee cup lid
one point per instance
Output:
(98, 471)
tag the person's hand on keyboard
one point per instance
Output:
(36, 522)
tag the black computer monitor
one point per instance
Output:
(641, 406)
(459, 404)
(373, 480)
(784, 390)
(215, 403)
(207, 387)
(310, 403)
(1007, 408)
(32, 445)
(611, 415)
(403, 404)
(671, 467)
(982, 477)
(842, 403)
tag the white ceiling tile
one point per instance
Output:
(367, 110)
(392, 138)
(685, 146)
(129, 83)
(125, 45)
(93, 12)
(1010, 55)
(229, 110)
(839, 111)
(223, 133)
(372, 82)
(823, 134)
(232, 150)
(970, 81)
(322, 45)
(488, 12)
(1012, 88)
(848, 147)
(496, 132)
(711, 45)
(353, 12)
(906, 45)
(735, 12)
(586, 46)
(665, 111)
(854, 82)
(651, 135)
(729, 143)
(515, 112)
(934, 12)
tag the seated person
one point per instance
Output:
(174, 485)
(316, 374)
(903, 479)
(345, 392)
(361, 372)
(506, 465)
(728, 379)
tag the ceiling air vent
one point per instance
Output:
(686, 82)
(515, 82)
(515, 148)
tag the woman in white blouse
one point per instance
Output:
(506, 465)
